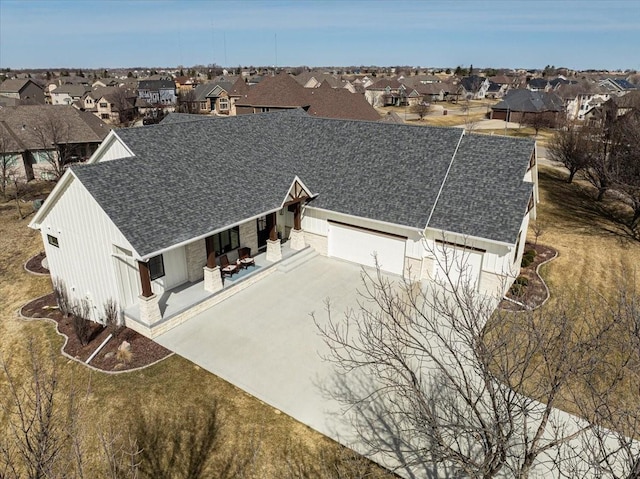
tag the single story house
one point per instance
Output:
(524, 105)
(160, 209)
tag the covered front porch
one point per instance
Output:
(186, 279)
(186, 300)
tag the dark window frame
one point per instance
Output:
(53, 240)
(156, 267)
(227, 240)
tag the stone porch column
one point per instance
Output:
(212, 273)
(149, 309)
(274, 250)
(148, 301)
(296, 238)
(212, 279)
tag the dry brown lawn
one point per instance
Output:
(171, 384)
(593, 249)
(597, 254)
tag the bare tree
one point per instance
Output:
(122, 101)
(187, 102)
(624, 163)
(569, 146)
(53, 135)
(8, 160)
(39, 417)
(537, 120)
(455, 388)
(421, 109)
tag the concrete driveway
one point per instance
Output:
(264, 341)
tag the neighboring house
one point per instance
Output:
(68, 94)
(161, 93)
(26, 91)
(579, 99)
(114, 105)
(141, 223)
(538, 84)
(617, 86)
(283, 92)
(523, 105)
(35, 135)
(390, 92)
(474, 87)
(185, 84)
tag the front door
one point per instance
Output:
(263, 225)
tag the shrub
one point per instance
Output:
(124, 355)
(517, 290)
(112, 318)
(527, 257)
(62, 296)
(81, 321)
(519, 286)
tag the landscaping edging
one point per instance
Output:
(41, 268)
(66, 340)
(525, 307)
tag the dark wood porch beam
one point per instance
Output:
(273, 234)
(297, 218)
(145, 279)
(211, 252)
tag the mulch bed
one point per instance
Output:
(144, 351)
(535, 293)
(34, 265)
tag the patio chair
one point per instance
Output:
(228, 269)
(244, 256)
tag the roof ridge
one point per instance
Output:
(444, 180)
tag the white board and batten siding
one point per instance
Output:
(175, 270)
(87, 241)
(112, 148)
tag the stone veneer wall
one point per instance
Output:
(318, 242)
(249, 236)
(196, 254)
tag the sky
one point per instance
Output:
(589, 34)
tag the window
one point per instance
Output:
(104, 116)
(224, 104)
(40, 157)
(156, 267)
(227, 240)
(9, 159)
(265, 109)
(53, 241)
(104, 105)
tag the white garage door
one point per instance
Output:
(459, 264)
(359, 246)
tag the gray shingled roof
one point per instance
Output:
(193, 177)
